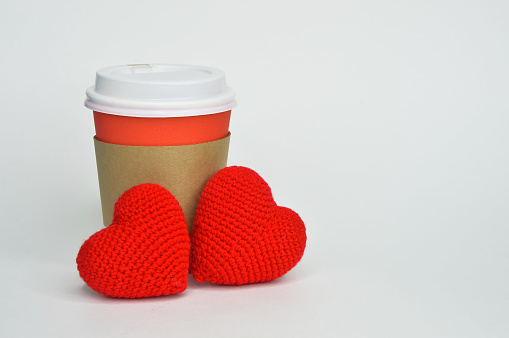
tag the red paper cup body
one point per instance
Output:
(161, 131)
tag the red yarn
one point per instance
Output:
(144, 252)
(240, 235)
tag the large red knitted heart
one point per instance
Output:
(144, 252)
(240, 235)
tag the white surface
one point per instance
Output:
(383, 123)
(160, 90)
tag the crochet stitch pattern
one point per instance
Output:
(240, 235)
(144, 252)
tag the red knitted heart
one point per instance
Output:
(240, 235)
(144, 252)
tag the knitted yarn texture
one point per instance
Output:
(240, 235)
(144, 252)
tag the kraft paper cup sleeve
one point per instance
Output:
(183, 170)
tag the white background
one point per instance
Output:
(384, 124)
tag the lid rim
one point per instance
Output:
(161, 113)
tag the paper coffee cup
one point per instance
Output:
(159, 123)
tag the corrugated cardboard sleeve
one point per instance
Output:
(183, 170)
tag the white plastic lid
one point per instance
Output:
(160, 90)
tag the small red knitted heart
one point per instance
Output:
(240, 235)
(144, 252)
